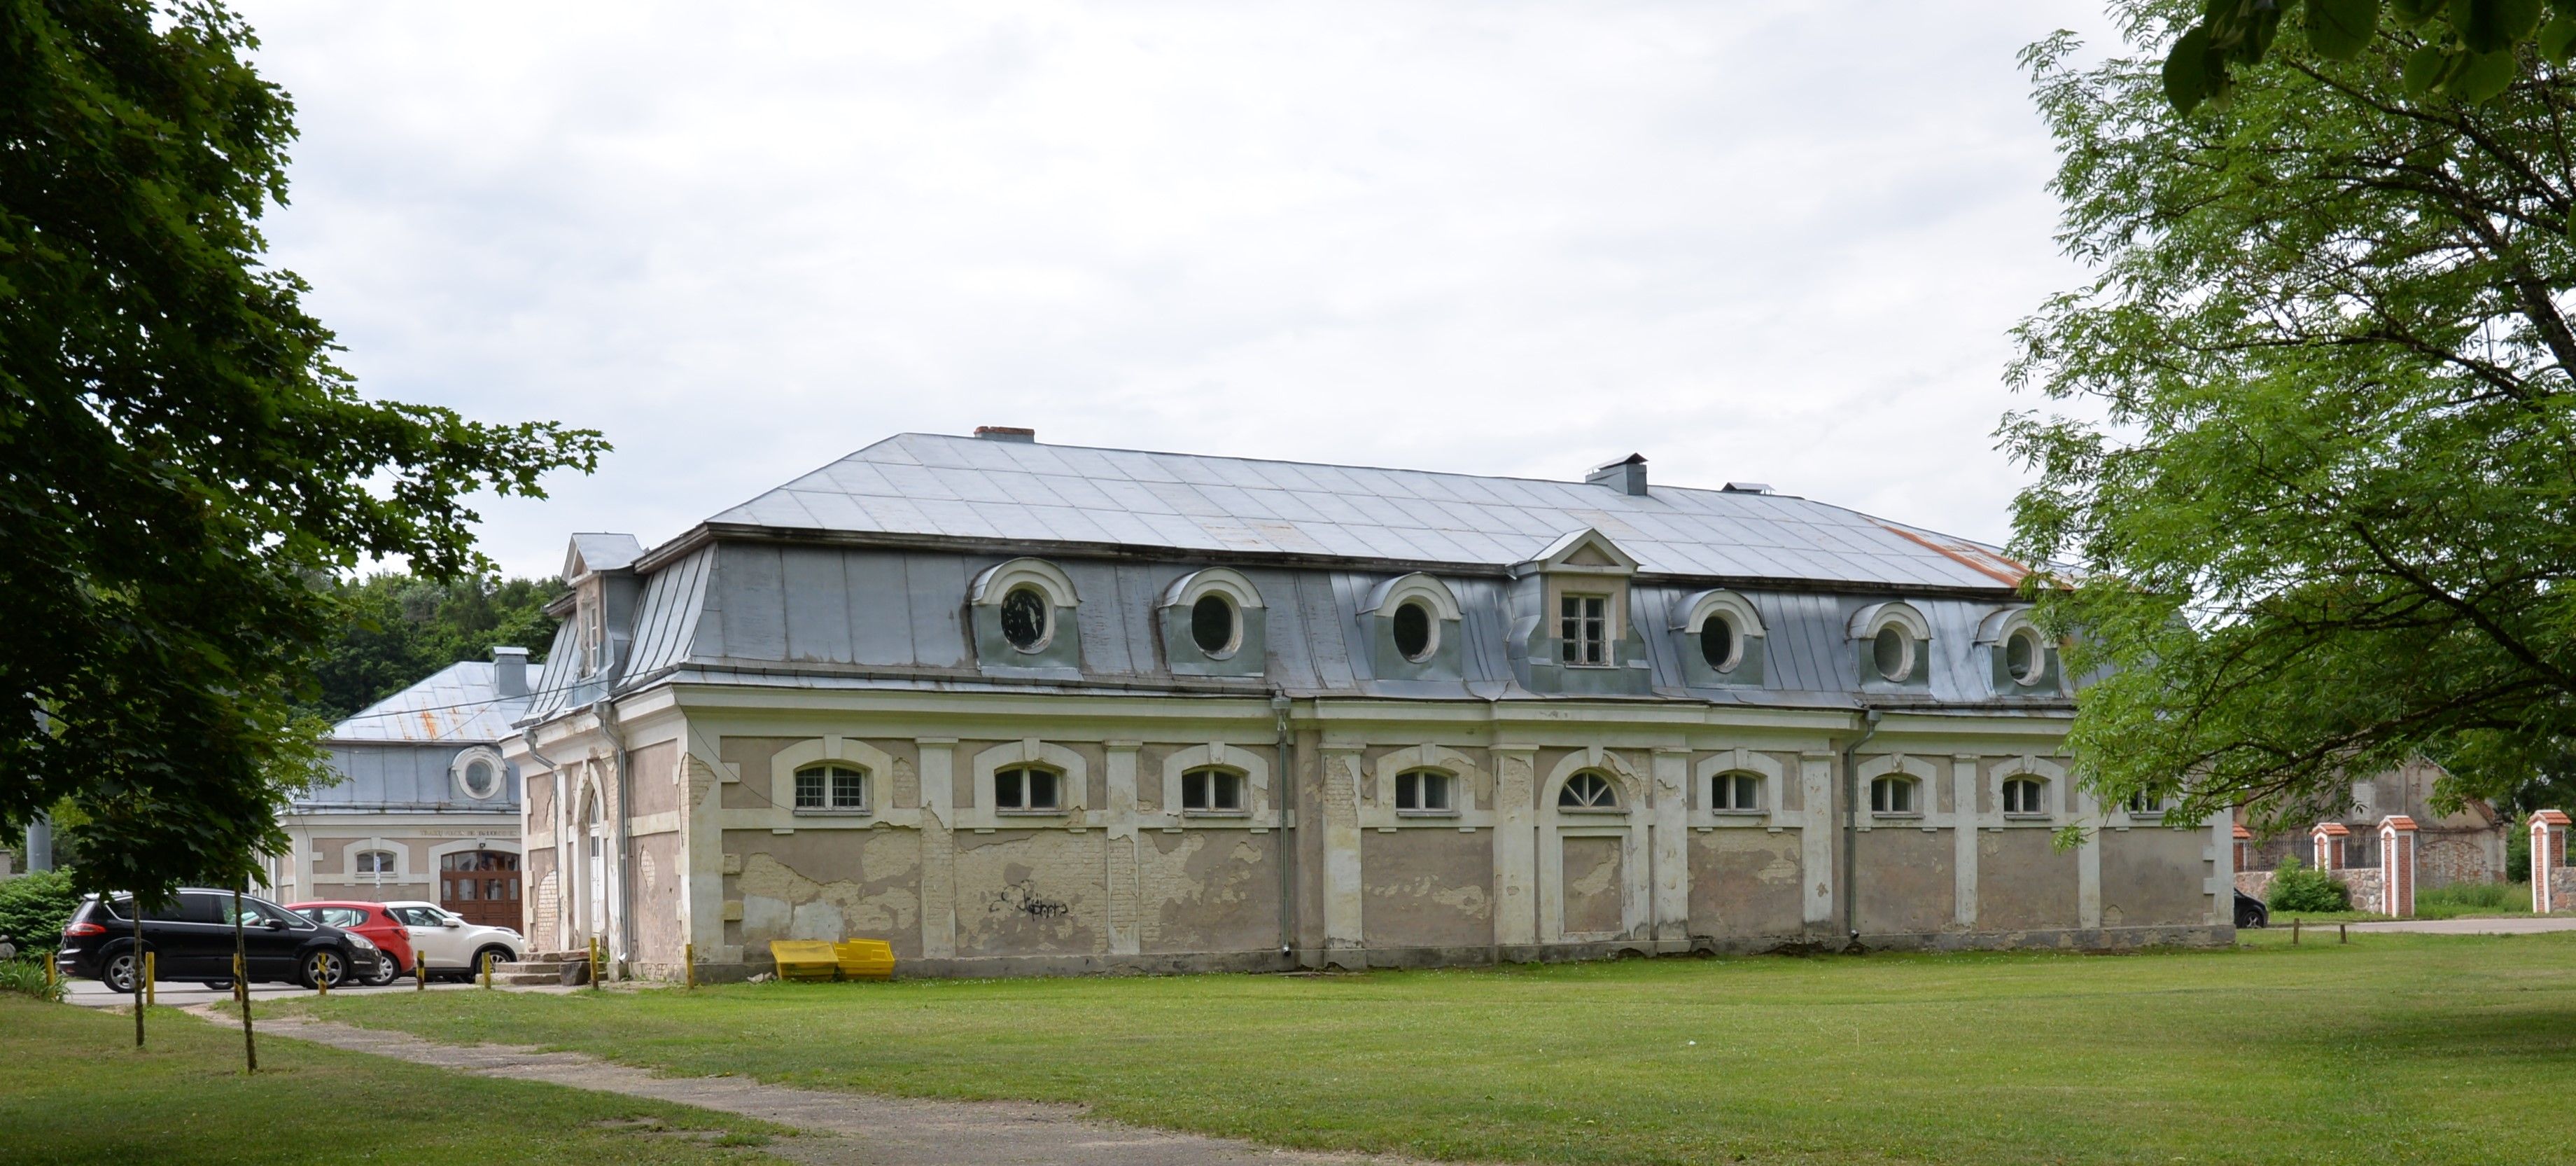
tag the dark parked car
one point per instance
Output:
(191, 938)
(2250, 911)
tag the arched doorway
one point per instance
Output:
(594, 895)
(481, 886)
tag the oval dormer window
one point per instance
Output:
(1719, 645)
(1214, 627)
(1413, 636)
(1892, 652)
(2024, 656)
(1026, 619)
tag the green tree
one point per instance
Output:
(179, 457)
(2316, 497)
(398, 628)
(2463, 50)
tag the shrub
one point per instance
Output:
(2296, 888)
(34, 908)
(27, 978)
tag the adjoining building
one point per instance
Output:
(2465, 845)
(1021, 709)
(425, 807)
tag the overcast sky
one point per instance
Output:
(1779, 243)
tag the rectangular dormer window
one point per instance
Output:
(1584, 629)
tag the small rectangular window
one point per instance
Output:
(849, 790)
(1584, 629)
(1891, 795)
(1736, 791)
(1026, 790)
(1423, 791)
(1212, 791)
(809, 790)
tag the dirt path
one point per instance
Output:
(850, 1127)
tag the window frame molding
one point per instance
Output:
(1470, 785)
(1256, 812)
(1864, 628)
(1631, 824)
(816, 750)
(1927, 811)
(1440, 658)
(1995, 634)
(1073, 786)
(1751, 636)
(1061, 648)
(465, 759)
(2055, 794)
(1774, 775)
(1248, 655)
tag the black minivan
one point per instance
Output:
(191, 938)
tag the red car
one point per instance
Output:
(371, 920)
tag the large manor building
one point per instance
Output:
(1024, 708)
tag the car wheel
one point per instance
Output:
(384, 973)
(322, 966)
(118, 975)
(495, 953)
(219, 985)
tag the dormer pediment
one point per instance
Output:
(1583, 550)
(592, 554)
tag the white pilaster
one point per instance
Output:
(1816, 839)
(1964, 826)
(1668, 840)
(938, 848)
(1515, 845)
(1343, 937)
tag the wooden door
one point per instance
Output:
(481, 886)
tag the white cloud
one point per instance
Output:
(745, 240)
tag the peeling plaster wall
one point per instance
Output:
(649, 772)
(1031, 892)
(658, 934)
(538, 899)
(540, 791)
(825, 884)
(2152, 875)
(1207, 890)
(2024, 882)
(1595, 885)
(1906, 883)
(750, 756)
(1745, 883)
(1430, 887)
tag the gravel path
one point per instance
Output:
(2525, 925)
(848, 1127)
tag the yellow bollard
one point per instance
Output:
(594, 963)
(487, 971)
(322, 985)
(151, 978)
(689, 964)
(419, 972)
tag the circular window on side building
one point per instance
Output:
(1415, 635)
(1215, 627)
(1028, 621)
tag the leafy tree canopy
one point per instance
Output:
(398, 628)
(2467, 50)
(2319, 499)
(179, 457)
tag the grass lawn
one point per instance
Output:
(74, 1090)
(2395, 1048)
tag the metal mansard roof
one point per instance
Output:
(977, 490)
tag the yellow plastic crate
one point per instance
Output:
(804, 959)
(865, 959)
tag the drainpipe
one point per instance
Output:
(1851, 824)
(563, 868)
(1286, 784)
(617, 828)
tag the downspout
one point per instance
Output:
(1287, 786)
(562, 833)
(608, 728)
(1851, 825)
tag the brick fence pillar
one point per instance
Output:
(2397, 866)
(2244, 850)
(2328, 839)
(2548, 857)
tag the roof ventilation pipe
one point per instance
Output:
(509, 671)
(1007, 433)
(1627, 476)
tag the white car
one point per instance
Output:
(450, 946)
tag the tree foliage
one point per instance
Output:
(397, 628)
(179, 458)
(2469, 50)
(2319, 497)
